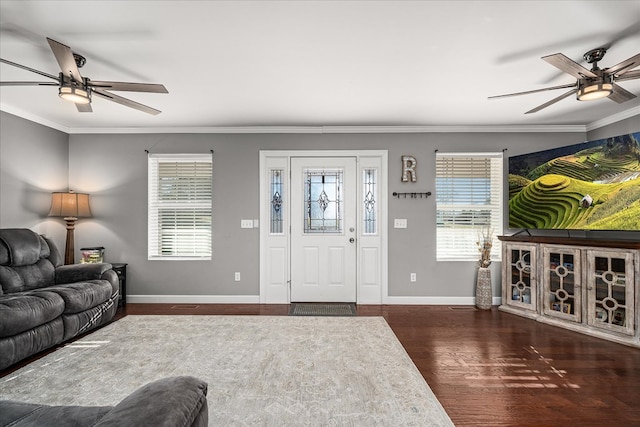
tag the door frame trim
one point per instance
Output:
(372, 282)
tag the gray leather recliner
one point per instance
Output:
(170, 402)
(44, 303)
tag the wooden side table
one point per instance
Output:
(121, 271)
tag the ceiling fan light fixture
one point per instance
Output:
(75, 94)
(595, 90)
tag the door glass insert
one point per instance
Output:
(369, 193)
(276, 202)
(323, 201)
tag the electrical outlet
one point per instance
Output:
(237, 277)
(413, 277)
(246, 223)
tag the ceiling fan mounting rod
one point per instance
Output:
(80, 60)
(595, 55)
(69, 80)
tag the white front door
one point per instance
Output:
(323, 229)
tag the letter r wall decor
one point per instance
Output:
(409, 164)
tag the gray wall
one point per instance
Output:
(113, 169)
(34, 161)
(619, 128)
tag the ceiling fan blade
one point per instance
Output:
(124, 101)
(33, 70)
(534, 91)
(620, 94)
(553, 101)
(629, 75)
(84, 108)
(129, 87)
(28, 84)
(625, 66)
(569, 66)
(65, 59)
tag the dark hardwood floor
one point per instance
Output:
(490, 368)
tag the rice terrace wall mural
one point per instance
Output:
(594, 185)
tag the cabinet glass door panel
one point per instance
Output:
(521, 291)
(561, 284)
(610, 289)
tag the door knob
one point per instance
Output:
(351, 240)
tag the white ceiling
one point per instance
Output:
(317, 63)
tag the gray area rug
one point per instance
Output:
(261, 370)
(322, 309)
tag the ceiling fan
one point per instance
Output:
(590, 84)
(79, 90)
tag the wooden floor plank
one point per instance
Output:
(490, 368)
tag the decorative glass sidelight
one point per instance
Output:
(323, 201)
(276, 220)
(369, 193)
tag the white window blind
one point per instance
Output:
(468, 200)
(179, 215)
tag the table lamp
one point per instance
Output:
(70, 206)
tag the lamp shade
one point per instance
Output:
(70, 205)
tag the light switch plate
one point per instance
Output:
(399, 223)
(246, 223)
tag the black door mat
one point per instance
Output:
(322, 309)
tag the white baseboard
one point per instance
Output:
(437, 301)
(430, 300)
(193, 299)
(255, 299)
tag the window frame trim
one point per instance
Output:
(184, 157)
(496, 253)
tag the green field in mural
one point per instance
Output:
(595, 188)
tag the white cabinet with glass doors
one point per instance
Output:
(588, 286)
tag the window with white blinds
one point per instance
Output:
(180, 189)
(468, 201)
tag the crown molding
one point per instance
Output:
(33, 118)
(326, 129)
(212, 129)
(454, 129)
(613, 119)
(333, 129)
